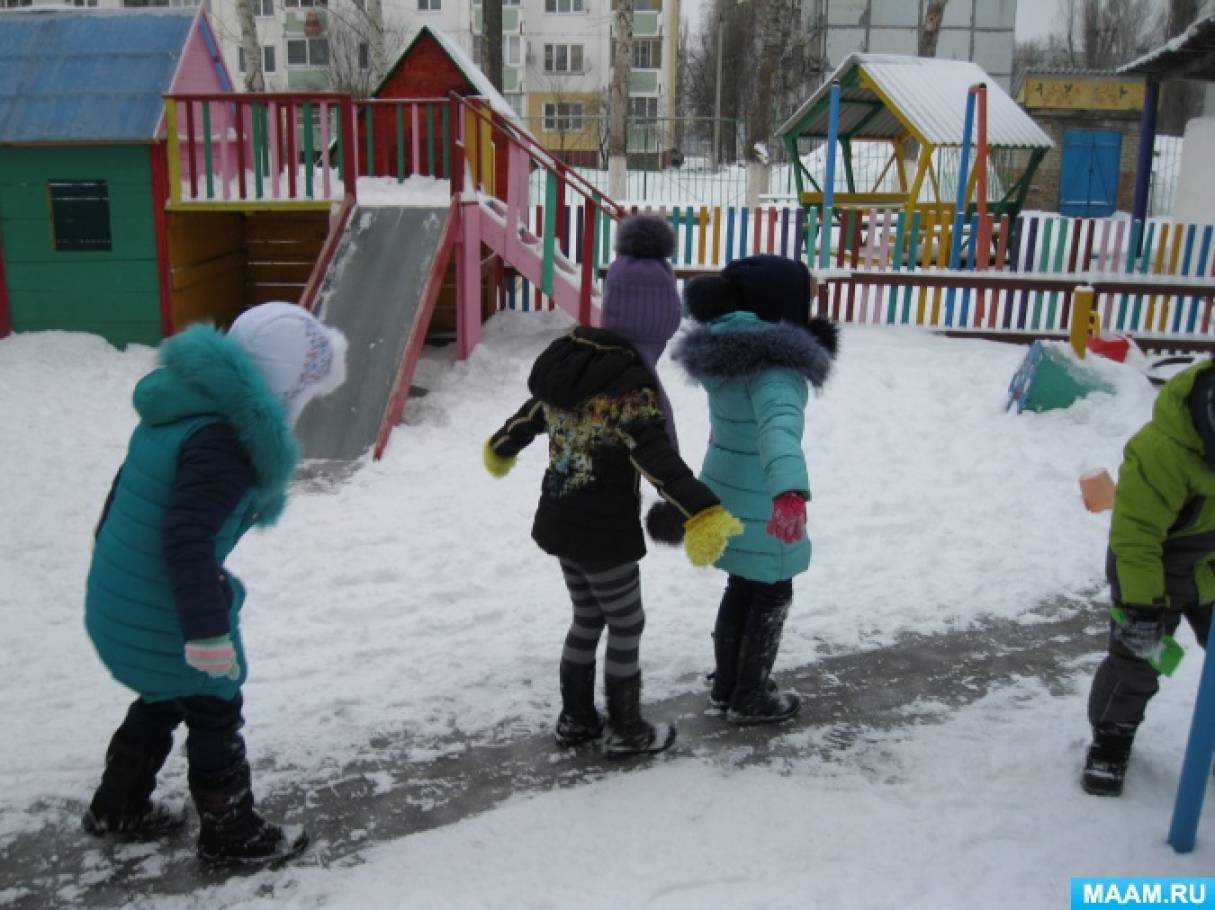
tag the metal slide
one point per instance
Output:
(371, 293)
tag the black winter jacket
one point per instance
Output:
(598, 402)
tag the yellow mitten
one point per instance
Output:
(706, 534)
(495, 463)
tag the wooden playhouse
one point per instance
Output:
(84, 234)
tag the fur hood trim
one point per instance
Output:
(204, 373)
(745, 346)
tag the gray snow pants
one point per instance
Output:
(1124, 683)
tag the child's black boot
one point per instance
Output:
(1107, 759)
(579, 721)
(230, 829)
(122, 804)
(627, 733)
(755, 699)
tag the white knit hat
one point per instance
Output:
(300, 357)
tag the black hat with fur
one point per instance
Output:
(774, 288)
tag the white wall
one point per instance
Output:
(1195, 197)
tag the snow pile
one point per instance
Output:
(410, 601)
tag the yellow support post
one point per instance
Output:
(716, 233)
(1084, 312)
(702, 223)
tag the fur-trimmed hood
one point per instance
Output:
(202, 373)
(740, 344)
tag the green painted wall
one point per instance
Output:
(111, 293)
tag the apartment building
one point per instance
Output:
(556, 56)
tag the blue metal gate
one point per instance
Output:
(1088, 178)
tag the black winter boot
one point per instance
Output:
(122, 803)
(578, 722)
(627, 733)
(755, 699)
(230, 829)
(726, 642)
(1108, 756)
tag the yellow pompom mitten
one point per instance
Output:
(706, 534)
(495, 463)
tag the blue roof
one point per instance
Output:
(87, 76)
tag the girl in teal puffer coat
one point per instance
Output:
(210, 458)
(754, 350)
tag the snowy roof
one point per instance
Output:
(1190, 55)
(471, 71)
(87, 76)
(884, 96)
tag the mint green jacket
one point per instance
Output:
(130, 614)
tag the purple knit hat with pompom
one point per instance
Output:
(640, 300)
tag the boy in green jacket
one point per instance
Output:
(1159, 564)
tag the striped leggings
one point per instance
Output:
(611, 597)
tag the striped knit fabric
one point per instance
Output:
(612, 598)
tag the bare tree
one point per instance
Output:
(491, 37)
(930, 28)
(255, 79)
(374, 22)
(618, 109)
(773, 32)
(358, 46)
(1179, 101)
(1101, 34)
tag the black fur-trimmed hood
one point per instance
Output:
(740, 345)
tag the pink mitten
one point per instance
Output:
(214, 656)
(788, 522)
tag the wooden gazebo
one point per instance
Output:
(916, 106)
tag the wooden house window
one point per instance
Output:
(80, 214)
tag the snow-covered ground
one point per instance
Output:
(410, 601)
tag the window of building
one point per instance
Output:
(312, 52)
(563, 116)
(84, 2)
(563, 58)
(643, 108)
(269, 59)
(80, 214)
(647, 6)
(565, 6)
(515, 100)
(364, 55)
(430, 6)
(144, 3)
(647, 53)
(13, 4)
(263, 8)
(512, 50)
(305, 3)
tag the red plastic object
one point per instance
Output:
(1114, 347)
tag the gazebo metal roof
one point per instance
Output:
(884, 96)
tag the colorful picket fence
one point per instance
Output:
(265, 151)
(884, 240)
(404, 137)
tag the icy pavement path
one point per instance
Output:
(389, 792)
